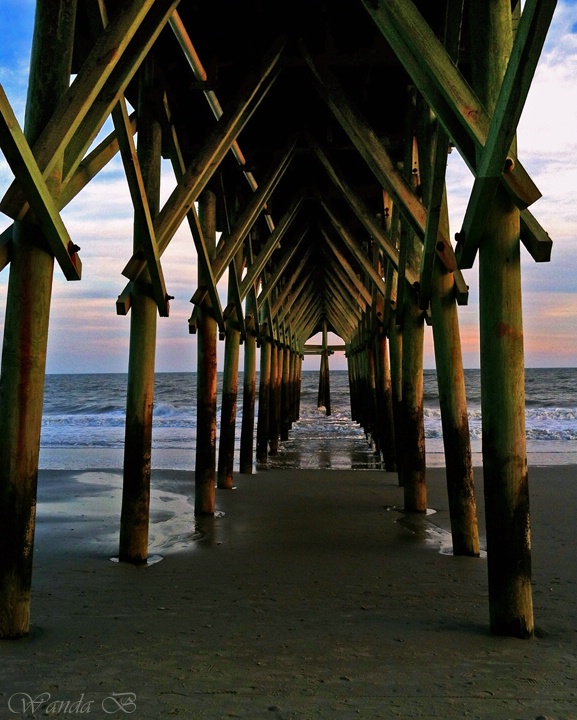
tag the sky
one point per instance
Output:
(86, 335)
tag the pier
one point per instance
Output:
(309, 148)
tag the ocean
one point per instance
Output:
(83, 422)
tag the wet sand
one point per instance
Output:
(310, 595)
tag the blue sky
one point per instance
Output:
(86, 335)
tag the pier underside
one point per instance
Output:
(309, 145)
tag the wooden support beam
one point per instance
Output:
(352, 244)
(24, 348)
(23, 164)
(506, 482)
(6, 247)
(378, 160)
(340, 278)
(318, 349)
(264, 396)
(206, 393)
(282, 265)
(215, 147)
(249, 388)
(225, 466)
(431, 69)
(81, 111)
(436, 198)
(494, 161)
(136, 264)
(142, 213)
(229, 244)
(144, 171)
(358, 207)
(202, 253)
(294, 284)
(92, 164)
(195, 178)
(270, 246)
(347, 268)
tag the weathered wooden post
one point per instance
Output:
(293, 386)
(351, 368)
(385, 402)
(134, 516)
(285, 412)
(433, 149)
(264, 392)
(324, 393)
(26, 333)
(454, 419)
(413, 427)
(505, 471)
(298, 384)
(248, 392)
(274, 410)
(205, 470)
(229, 391)
(395, 336)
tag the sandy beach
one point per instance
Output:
(310, 595)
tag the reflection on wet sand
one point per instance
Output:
(305, 451)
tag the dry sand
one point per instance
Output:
(309, 597)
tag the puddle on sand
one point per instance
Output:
(424, 530)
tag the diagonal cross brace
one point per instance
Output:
(26, 171)
(527, 46)
(140, 202)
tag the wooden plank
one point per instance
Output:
(141, 209)
(23, 164)
(425, 59)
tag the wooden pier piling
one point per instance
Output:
(205, 465)
(264, 400)
(26, 332)
(135, 510)
(246, 459)
(229, 390)
(275, 396)
(505, 472)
